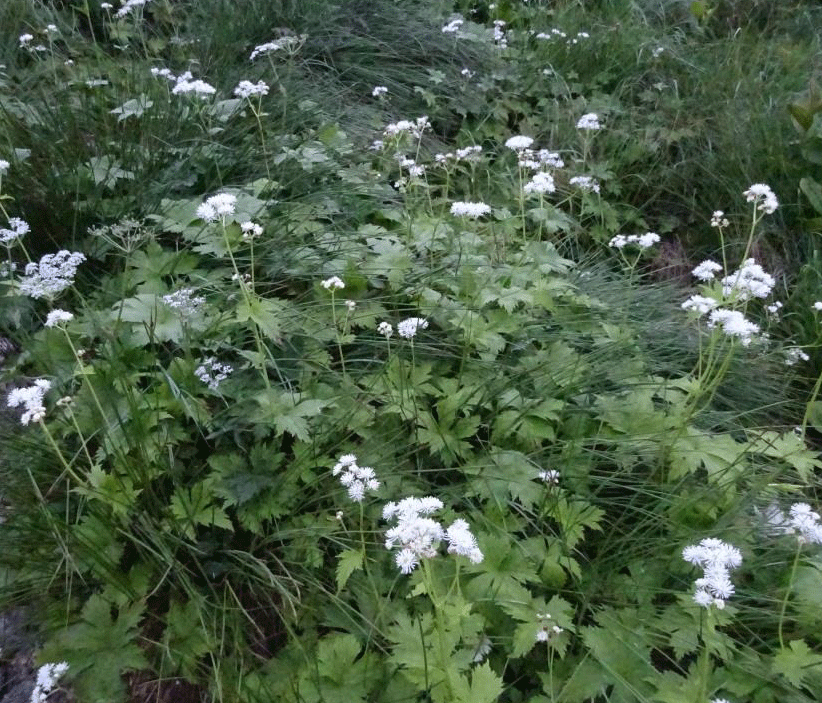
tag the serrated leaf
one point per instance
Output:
(797, 662)
(349, 561)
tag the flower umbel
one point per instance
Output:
(407, 329)
(716, 558)
(52, 275)
(31, 399)
(356, 479)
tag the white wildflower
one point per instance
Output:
(246, 89)
(25, 40)
(212, 372)
(541, 183)
(549, 476)
(217, 206)
(47, 677)
(453, 26)
(351, 305)
(762, 194)
(379, 90)
(250, 229)
(333, 283)
(519, 142)
(31, 398)
(385, 329)
(57, 317)
(585, 183)
(716, 558)
(750, 281)
(462, 542)
(4, 166)
(773, 308)
(734, 324)
(408, 327)
(474, 210)
(643, 241)
(718, 219)
(184, 301)
(794, 355)
(52, 275)
(700, 304)
(129, 6)
(187, 84)
(817, 305)
(805, 522)
(589, 122)
(707, 270)
(16, 229)
(356, 479)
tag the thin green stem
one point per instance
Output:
(784, 605)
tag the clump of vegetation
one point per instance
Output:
(428, 355)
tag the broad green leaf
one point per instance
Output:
(349, 561)
(797, 663)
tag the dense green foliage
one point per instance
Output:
(168, 519)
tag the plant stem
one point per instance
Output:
(788, 592)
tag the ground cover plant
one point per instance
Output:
(435, 352)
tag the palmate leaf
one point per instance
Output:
(98, 649)
(485, 686)
(350, 560)
(799, 665)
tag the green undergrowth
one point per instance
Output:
(279, 291)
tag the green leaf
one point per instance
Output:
(194, 506)
(98, 649)
(813, 192)
(349, 561)
(485, 687)
(184, 639)
(798, 663)
(133, 108)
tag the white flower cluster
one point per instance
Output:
(699, 304)
(718, 219)
(52, 275)
(418, 536)
(794, 355)
(468, 153)
(186, 83)
(407, 329)
(379, 90)
(734, 324)
(547, 631)
(559, 34)
(129, 6)
(250, 229)
(589, 122)
(773, 308)
(453, 26)
(333, 283)
(716, 558)
(16, 229)
(538, 160)
(519, 142)
(585, 183)
(47, 676)
(413, 127)
(762, 194)
(643, 241)
(357, 479)
(25, 40)
(217, 206)
(498, 32)
(246, 89)
(385, 329)
(290, 44)
(212, 372)
(541, 183)
(31, 399)
(749, 281)
(549, 476)
(474, 210)
(184, 301)
(707, 270)
(58, 317)
(4, 166)
(414, 169)
(801, 520)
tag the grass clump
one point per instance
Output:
(329, 392)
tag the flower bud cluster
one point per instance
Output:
(357, 479)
